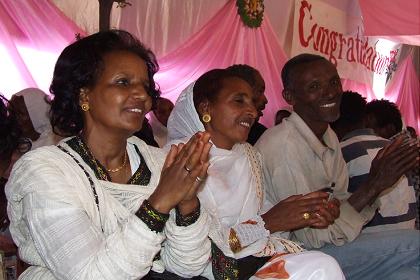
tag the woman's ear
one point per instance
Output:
(203, 108)
(288, 96)
(83, 96)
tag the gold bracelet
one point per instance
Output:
(234, 243)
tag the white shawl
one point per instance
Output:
(230, 193)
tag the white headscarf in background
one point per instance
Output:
(37, 107)
(184, 120)
(229, 193)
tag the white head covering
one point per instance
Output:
(184, 121)
(229, 193)
(37, 108)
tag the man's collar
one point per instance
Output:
(358, 132)
(329, 138)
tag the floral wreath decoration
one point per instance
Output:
(251, 12)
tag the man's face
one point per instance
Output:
(315, 93)
(261, 99)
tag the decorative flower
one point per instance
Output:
(251, 12)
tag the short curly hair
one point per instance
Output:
(80, 65)
(385, 112)
(289, 68)
(352, 108)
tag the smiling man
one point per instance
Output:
(303, 155)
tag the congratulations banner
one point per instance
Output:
(322, 29)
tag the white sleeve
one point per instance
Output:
(50, 224)
(186, 251)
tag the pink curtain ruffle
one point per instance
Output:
(222, 42)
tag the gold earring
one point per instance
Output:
(85, 107)
(206, 118)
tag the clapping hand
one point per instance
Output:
(183, 171)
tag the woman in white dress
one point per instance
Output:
(221, 103)
(102, 204)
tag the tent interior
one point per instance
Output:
(374, 44)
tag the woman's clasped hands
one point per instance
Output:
(185, 168)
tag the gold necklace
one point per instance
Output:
(115, 170)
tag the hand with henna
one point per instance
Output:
(185, 165)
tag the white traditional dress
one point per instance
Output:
(233, 195)
(69, 224)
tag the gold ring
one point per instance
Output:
(306, 216)
(198, 179)
(187, 169)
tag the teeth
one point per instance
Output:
(136, 110)
(245, 124)
(328, 105)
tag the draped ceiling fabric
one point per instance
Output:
(190, 37)
(224, 41)
(32, 34)
(392, 19)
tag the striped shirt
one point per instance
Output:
(398, 204)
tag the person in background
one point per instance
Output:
(159, 120)
(303, 155)
(254, 78)
(146, 134)
(384, 117)
(359, 146)
(102, 204)
(31, 108)
(221, 103)
(280, 115)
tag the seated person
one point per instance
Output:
(303, 155)
(159, 120)
(221, 103)
(31, 110)
(359, 146)
(101, 204)
(384, 117)
(254, 78)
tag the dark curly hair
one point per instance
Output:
(210, 84)
(385, 112)
(10, 132)
(289, 68)
(80, 65)
(352, 108)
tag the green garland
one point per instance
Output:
(251, 18)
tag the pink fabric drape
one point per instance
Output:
(32, 35)
(392, 18)
(224, 41)
(404, 90)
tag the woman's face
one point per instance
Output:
(232, 113)
(119, 100)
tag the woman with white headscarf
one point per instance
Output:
(31, 109)
(222, 103)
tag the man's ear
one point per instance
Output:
(288, 96)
